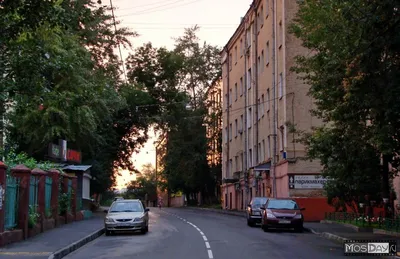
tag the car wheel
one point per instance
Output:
(108, 233)
(147, 229)
(249, 223)
(143, 230)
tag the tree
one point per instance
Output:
(145, 184)
(354, 79)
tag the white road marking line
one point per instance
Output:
(209, 251)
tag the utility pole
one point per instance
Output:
(274, 105)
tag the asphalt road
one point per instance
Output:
(184, 233)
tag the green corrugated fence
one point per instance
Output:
(11, 202)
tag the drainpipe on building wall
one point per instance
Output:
(274, 103)
(228, 128)
(245, 162)
(256, 133)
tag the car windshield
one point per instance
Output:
(282, 205)
(258, 201)
(126, 207)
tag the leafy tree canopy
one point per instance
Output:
(353, 73)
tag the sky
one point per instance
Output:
(158, 21)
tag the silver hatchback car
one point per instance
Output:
(127, 215)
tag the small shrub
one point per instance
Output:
(33, 216)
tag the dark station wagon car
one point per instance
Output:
(254, 211)
(282, 214)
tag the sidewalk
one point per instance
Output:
(57, 242)
(340, 233)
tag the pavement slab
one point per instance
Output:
(45, 244)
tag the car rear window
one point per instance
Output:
(282, 205)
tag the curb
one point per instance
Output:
(310, 230)
(327, 235)
(76, 245)
(232, 213)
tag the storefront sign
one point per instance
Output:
(306, 182)
(55, 151)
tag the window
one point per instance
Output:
(262, 150)
(267, 54)
(241, 47)
(249, 119)
(248, 38)
(241, 86)
(236, 92)
(236, 164)
(269, 147)
(280, 35)
(236, 128)
(266, 7)
(268, 99)
(230, 167)
(249, 78)
(241, 161)
(230, 61)
(258, 65)
(258, 22)
(259, 153)
(236, 54)
(250, 157)
(282, 137)
(230, 96)
(259, 109)
(262, 61)
(262, 17)
(280, 85)
(230, 131)
(262, 105)
(241, 123)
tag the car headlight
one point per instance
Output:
(109, 220)
(298, 216)
(270, 215)
(138, 219)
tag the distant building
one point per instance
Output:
(213, 122)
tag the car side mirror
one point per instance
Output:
(262, 208)
(303, 209)
(105, 211)
(146, 209)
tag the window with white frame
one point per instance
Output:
(262, 150)
(236, 128)
(241, 123)
(230, 131)
(236, 92)
(280, 85)
(249, 118)
(249, 78)
(236, 54)
(250, 157)
(241, 86)
(262, 105)
(262, 61)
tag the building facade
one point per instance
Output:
(261, 99)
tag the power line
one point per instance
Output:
(119, 45)
(155, 3)
(152, 10)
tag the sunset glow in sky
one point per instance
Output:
(159, 21)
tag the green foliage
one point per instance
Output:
(33, 216)
(63, 203)
(144, 186)
(354, 78)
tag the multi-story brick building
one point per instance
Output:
(261, 98)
